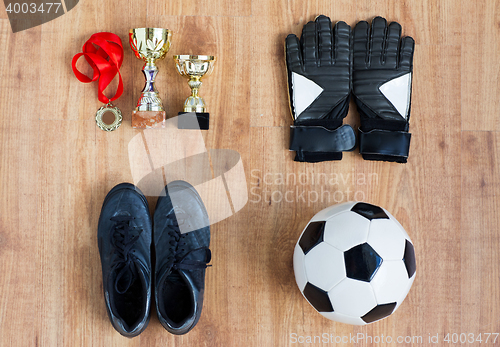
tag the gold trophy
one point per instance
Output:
(194, 67)
(150, 45)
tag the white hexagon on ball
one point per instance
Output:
(299, 268)
(386, 239)
(346, 230)
(324, 266)
(391, 281)
(352, 298)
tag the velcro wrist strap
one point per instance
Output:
(384, 142)
(319, 139)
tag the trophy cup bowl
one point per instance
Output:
(149, 45)
(194, 67)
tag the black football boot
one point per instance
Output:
(124, 237)
(181, 238)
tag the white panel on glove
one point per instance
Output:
(397, 91)
(305, 92)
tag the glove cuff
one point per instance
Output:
(320, 139)
(384, 145)
(316, 143)
(316, 157)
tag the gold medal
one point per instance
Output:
(105, 125)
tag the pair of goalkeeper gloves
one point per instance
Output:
(328, 64)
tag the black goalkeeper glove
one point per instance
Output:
(319, 82)
(382, 72)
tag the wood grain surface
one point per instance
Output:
(56, 167)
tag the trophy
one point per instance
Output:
(149, 44)
(194, 67)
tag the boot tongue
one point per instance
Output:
(125, 277)
(174, 277)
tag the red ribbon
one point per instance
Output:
(104, 53)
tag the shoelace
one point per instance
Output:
(124, 239)
(177, 242)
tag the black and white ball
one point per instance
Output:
(354, 263)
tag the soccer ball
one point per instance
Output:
(354, 263)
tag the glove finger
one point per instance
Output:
(360, 45)
(309, 44)
(293, 53)
(377, 40)
(392, 45)
(407, 49)
(342, 43)
(325, 40)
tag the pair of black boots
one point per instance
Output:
(176, 248)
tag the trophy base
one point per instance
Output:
(148, 119)
(200, 122)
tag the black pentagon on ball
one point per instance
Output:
(369, 211)
(362, 262)
(409, 259)
(312, 236)
(318, 298)
(379, 312)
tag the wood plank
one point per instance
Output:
(427, 21)
(480, 69)
(225, 8)
(3, 13)
(18, 233)
(480, 230)
(67, 233)
(19, 168)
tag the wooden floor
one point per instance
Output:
(56, 167)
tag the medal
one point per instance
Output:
(104, 53)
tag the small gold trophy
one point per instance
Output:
(150, 45)
(194, 67)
